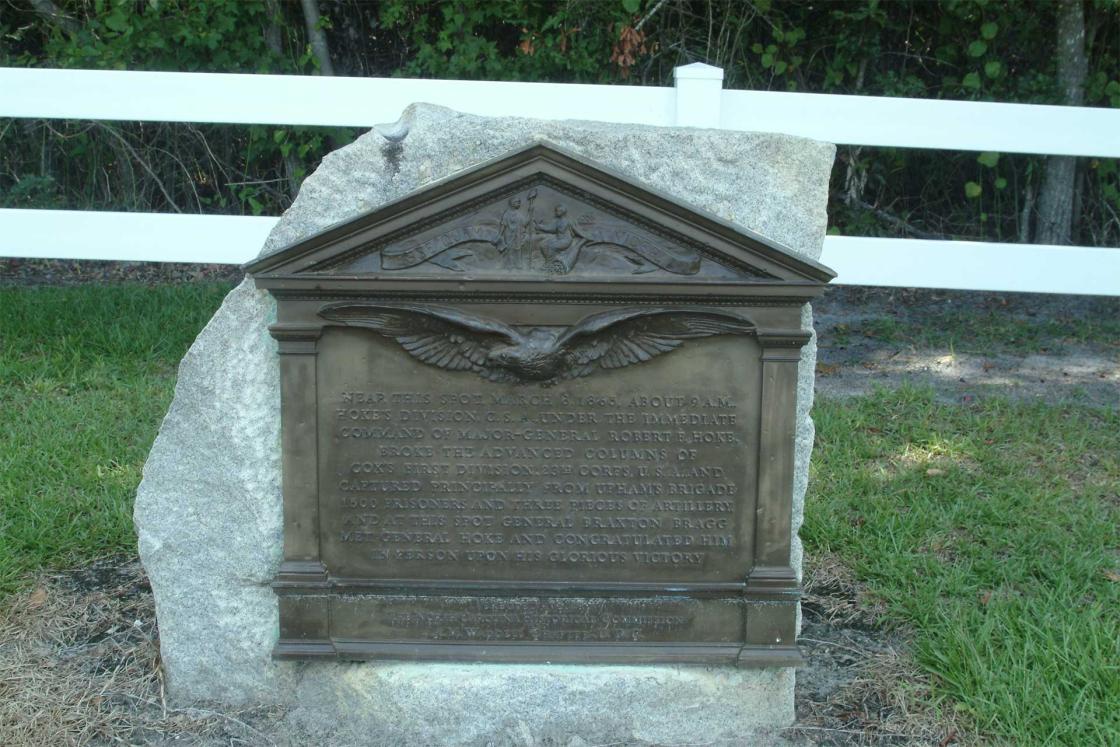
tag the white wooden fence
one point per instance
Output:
(697, 99)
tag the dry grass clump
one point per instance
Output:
(861, 685)
(887, 702)
(79, 664)
(832, 593)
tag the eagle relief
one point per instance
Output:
(455, 340)
(536, 232)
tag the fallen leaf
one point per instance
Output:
(825, 369)
(934, 472)
(985, 598)
(1112, 576)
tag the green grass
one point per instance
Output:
(85, 377)
(1002, 560)
(980, 332)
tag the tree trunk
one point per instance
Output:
(1027, 212)
(316, 38)
(856, 177)
(273, 34)
(1055, 198)
(274, 38)
(53, 14)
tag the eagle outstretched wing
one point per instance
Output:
(614, 339)
(439, 336)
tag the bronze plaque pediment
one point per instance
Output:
(540, 213)
(537, 412)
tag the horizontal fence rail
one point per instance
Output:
(697, 99)
(364, 102)
(900, 263)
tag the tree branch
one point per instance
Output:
(143, 164)
(899, 223)
(53, 14)
(649, 15)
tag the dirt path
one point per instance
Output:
(970, 345)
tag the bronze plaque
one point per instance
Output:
(538, 413)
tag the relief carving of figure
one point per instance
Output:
(556, 246)
(512, 241)
(561, 250)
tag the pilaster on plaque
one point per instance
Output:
(301, 583)
(297, 349)
(296, 339)
(781, 352)
(772, 590)
(770, 625)
(773, 583)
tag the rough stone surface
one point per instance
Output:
(487, 704)
(775, 185)
(208, 511)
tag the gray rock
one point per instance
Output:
(208, 511)
(468, 704)
(776, 185)
(208, 514)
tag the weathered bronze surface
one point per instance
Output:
(536, 412)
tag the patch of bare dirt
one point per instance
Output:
(855, 356)
(83, 272)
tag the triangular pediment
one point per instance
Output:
(539, 214)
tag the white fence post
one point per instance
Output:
(699, 90)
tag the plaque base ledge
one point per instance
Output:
(701, 654)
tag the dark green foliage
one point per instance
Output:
(993, 50)
(507, 39)
(170, 35)
(155, 166)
